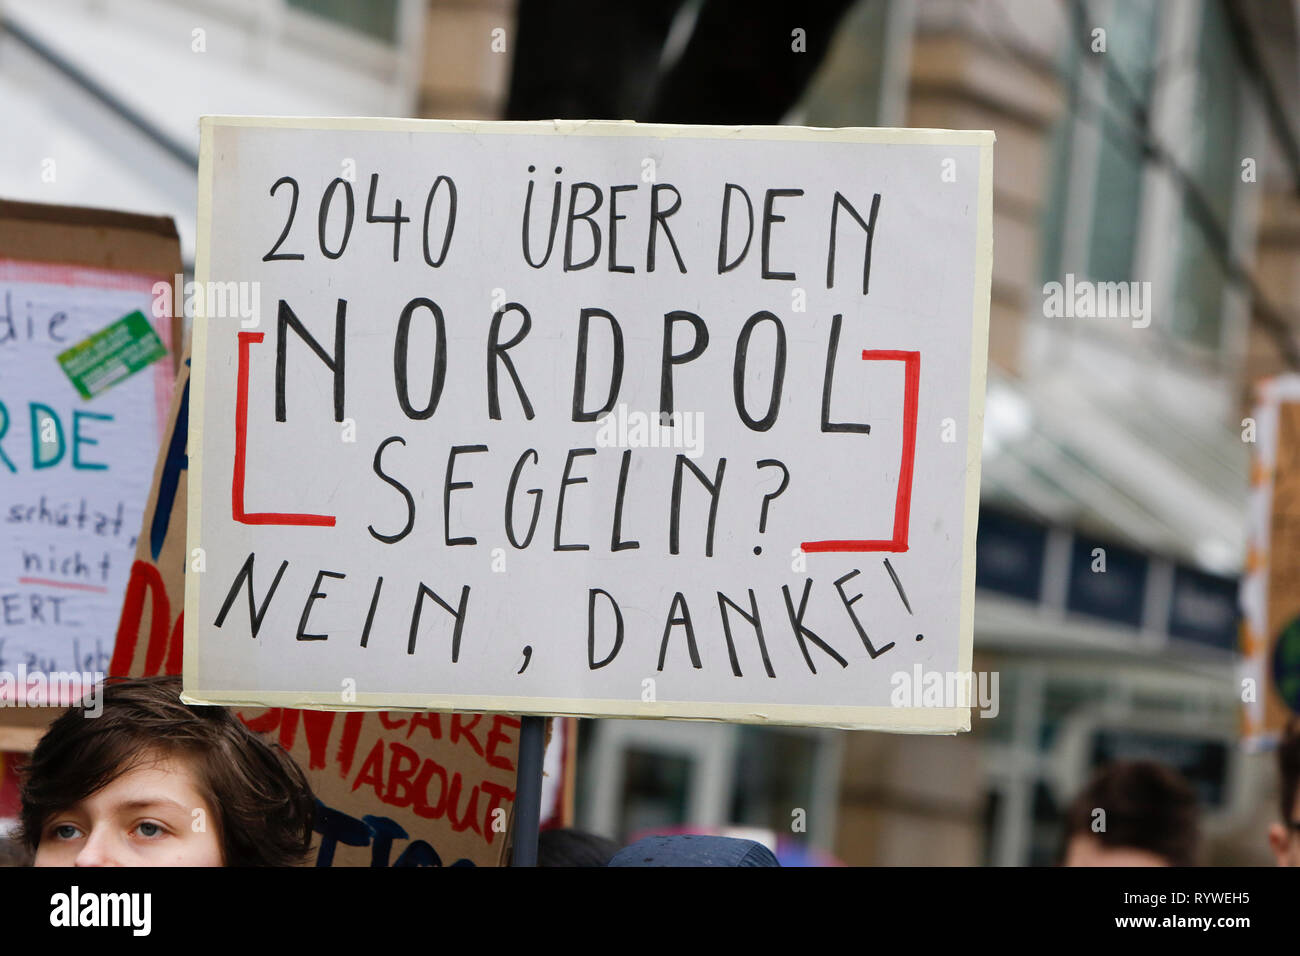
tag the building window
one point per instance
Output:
(1117, 211)
(775, 772)
(655, 791)
(374, 18)
(1200, 279)
(1127, 89)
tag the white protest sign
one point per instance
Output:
(589, 418)
(74, 473)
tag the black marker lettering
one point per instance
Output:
(285, 319)
(255, 614)
(497, 353)
(683, 619)
(848, 606)
(770, 217)
(410, 501)
(659, 219)
(614, 220)
(671, 358)
(778, 372)
(458, 614)
(449, 486)
(714, 489)
(723, 265)
(869, 227)
(564, 485)
(510, 502)
(555, 220)
(723, 603)
(832, 347)
(316, 594)
(569, 264)
(796, 622)
(616, 542)
(580, 367)
(401, 359)
(370, 615)
(592, 663)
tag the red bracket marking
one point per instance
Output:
(903, 503)
(241, 453)
(70, 585)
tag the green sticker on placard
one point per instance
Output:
(112, 354)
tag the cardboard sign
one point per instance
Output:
(74, 471)
(1270, 587)
(589, 419)
(395, 789)
(10, 795)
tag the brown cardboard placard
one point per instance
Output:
(97, 238)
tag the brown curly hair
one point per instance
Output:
(263, 803)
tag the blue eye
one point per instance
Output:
(66, 831)
(149, 830)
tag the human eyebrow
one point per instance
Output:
(150, 803)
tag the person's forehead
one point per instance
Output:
(1094, 851)
(160, 781)
(1084, 848)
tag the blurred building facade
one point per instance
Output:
(1160, 150)
(1137, 142)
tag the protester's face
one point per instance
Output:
(1285, 840)
(146, 817)
(1087, 851)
